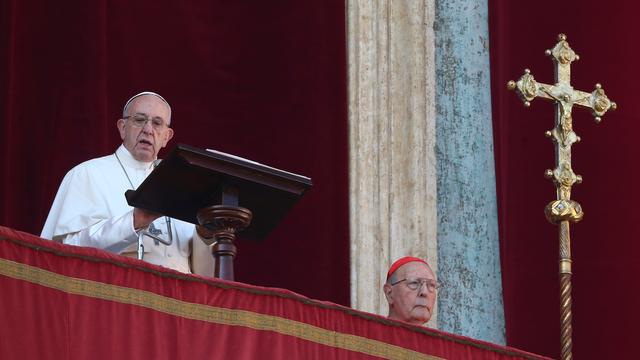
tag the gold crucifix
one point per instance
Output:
(563, 210)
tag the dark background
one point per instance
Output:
(261, 80)
(605, 244)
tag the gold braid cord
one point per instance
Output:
(563, 210)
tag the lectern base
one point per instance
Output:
(224, 222)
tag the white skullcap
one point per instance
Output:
(124, 110)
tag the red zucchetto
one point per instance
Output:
(402, 261)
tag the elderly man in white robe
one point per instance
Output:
(90, 208)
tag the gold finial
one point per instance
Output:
(511, 85)
(562, 37)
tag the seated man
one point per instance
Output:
(90, 208)
(411, 290)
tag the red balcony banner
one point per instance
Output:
(65, 302)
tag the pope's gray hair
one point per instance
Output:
(125, 110)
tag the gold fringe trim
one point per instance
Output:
(206, 313)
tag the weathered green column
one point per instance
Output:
(468, 247)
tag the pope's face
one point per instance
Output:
(413, 306)
(144, 141)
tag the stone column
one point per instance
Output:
(392, 141)
(468, 246)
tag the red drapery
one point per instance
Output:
(65, 302)
(263, 80)
(267, 81)
(604, 244)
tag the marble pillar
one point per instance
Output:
(422, 178)
(470, 304)
(392, 141)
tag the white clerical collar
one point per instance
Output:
(127, 159)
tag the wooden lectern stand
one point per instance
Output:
(221, 192)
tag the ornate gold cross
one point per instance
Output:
(563, 210)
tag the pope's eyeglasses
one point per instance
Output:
(140, 120)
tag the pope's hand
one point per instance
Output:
(142, 218)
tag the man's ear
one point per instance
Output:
(387, 293)
(120, 125)
(168, 136)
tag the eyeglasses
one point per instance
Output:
(140, 120)
(415, 284)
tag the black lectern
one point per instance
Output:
(221, 192)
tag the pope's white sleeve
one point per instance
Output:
(201, 256)
(114, 234)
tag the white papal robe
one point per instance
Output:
(90, 209)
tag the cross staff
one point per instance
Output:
(563, 210)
